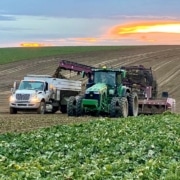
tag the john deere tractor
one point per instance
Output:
(105, 95)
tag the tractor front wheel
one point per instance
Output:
(119, 107)
(79, 109)
(71, 106)
(63, 109)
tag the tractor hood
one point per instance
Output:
(97, 88)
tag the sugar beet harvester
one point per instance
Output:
(131, 90)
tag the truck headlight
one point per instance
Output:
(12, 99)
(34, 98)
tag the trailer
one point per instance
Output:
(143, 81)
(42, 93)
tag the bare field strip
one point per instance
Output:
(163, 59)
(29, 122)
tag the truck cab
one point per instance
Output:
(29, 95)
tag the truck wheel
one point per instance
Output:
(119, 107)
(63, 109)
(55, 109)
(42, 108)
(71, 106)
(133, 104)
(79, 109)
(13, 110)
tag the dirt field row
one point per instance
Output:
(164, 60)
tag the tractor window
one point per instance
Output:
(104, 77)
(119, 79)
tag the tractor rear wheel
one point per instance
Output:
(124, 107)
(71, 106)
(133, 104)
(79, 109)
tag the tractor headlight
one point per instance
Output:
(111, 91)
(96, 92)
(87, 92)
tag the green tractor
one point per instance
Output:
(105, 95)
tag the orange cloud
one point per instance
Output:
(165, 32)
(163, 27)
(87, 39)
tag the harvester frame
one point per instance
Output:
(138, 79)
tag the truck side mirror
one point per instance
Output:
(16, 84)
(12, 90)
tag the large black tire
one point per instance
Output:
(133, 104)
(124, 107)
(12, 110)
(154, 89)
(63, 109)
(55, 109)
(118, 107)
(71, 106)
(42, 108)
(114, 108)
(79, 109)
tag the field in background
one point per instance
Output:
(8, 55)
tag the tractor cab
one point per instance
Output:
(112, 78)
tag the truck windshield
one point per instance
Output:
(31, 85)
(104, 77)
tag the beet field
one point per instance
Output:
(145, 147)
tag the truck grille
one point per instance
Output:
(22, 97)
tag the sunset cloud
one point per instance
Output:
(33, 44)
(151, 27)
(152, 32)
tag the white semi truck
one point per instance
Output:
(42, 93)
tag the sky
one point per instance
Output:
(25, 23)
